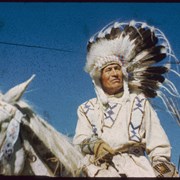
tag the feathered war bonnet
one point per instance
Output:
(140, 49)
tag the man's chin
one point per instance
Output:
(117, 89)
(117, 85)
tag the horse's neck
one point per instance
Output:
(50, 148)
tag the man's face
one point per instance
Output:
(112, 79)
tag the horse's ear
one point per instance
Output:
(15, 93)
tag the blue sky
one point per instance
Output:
(61, 84)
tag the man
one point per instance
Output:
(115, 129)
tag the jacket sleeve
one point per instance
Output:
(158, 147)
(84, 137)
(157, 143)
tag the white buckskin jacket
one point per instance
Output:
(130, 126)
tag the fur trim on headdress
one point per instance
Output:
(138, 48)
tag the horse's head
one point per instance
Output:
(10, 118)
(38, 148)
(7, 102)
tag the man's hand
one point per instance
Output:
(103, 151)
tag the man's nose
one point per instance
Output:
(114, 72)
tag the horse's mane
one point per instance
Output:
(51, 146)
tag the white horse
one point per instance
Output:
(28, 144)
